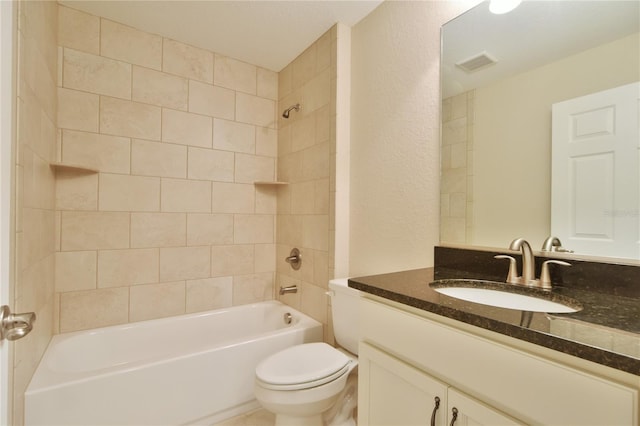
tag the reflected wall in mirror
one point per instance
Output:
(496, 165)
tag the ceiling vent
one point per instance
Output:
(476, 62)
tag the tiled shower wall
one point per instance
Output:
(34, 199)
(456, 187)
(306, 160)
(171, 222)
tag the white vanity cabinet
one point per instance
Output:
(399, 394)
(408, 359)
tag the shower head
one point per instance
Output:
(286, 112)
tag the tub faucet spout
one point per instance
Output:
(528, 260)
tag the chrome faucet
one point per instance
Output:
(528, 261)
(553, 244)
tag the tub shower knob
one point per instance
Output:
(15, 326)
(294, 259)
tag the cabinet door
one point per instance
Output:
(470, 412)
(394, 393)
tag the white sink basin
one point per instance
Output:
(477, 292)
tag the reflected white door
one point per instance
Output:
(6, 158)
(595, 195)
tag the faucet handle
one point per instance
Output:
(545, 277)
(512, 275)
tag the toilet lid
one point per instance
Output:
(315, 363)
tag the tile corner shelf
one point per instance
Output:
(276, 183)
(72, 168)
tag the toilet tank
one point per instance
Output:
(345, 312)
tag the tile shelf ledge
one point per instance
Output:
(275, 183)
(72, 167)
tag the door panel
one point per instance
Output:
(595, 194)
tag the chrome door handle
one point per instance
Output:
(15, 326)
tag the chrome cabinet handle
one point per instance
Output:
(15, 326)
(435, 408)
(454, 415)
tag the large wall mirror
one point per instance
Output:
(526, 96)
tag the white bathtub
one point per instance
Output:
(191, 369)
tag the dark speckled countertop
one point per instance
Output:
(605, 331)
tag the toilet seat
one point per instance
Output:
(302, 367)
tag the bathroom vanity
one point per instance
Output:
(427, 358)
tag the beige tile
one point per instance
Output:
(232, 136)
(158, 159)
(212, 100)
(317, 92)
(209, 229)
(94, 230)
(232, 260)
(313, 301)
(252, 288)
(156, 301)
(96, 74)
(78, 110)
(158, 229)
(75, 270)
(76, 191)
(186, 128)
(266, 142)
(82, 310)
(78, 30)
(285, 81)
(315, 232)
(210, 164)
(234, 74)
(190, 196)
(38, 181)
(38, 236)
(323, 51)
(289, 229)
(209, 293)
(304, 67)
(321, 268)
(316, 162)
(303, 133)
(303, 197)
(133, 119)
(157, 88)
(255, 110)
(119, 268)
(267, 199)
(187, 61)
(267, 86)
(233, 197)
(323, 124)
(184, 263)
(265, 258)
(252, 168)
(128, 193)
(101, 152)
(322, 197)
(253, 229)
(130, 45)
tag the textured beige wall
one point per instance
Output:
(172, 223)
(395, 163)
(35, 187)
(513, 127)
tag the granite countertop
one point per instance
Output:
(605, 331)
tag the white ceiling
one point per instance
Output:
(266, 33)
(539, 32)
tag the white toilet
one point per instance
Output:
(311, 384)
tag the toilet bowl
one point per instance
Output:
(304, 385)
